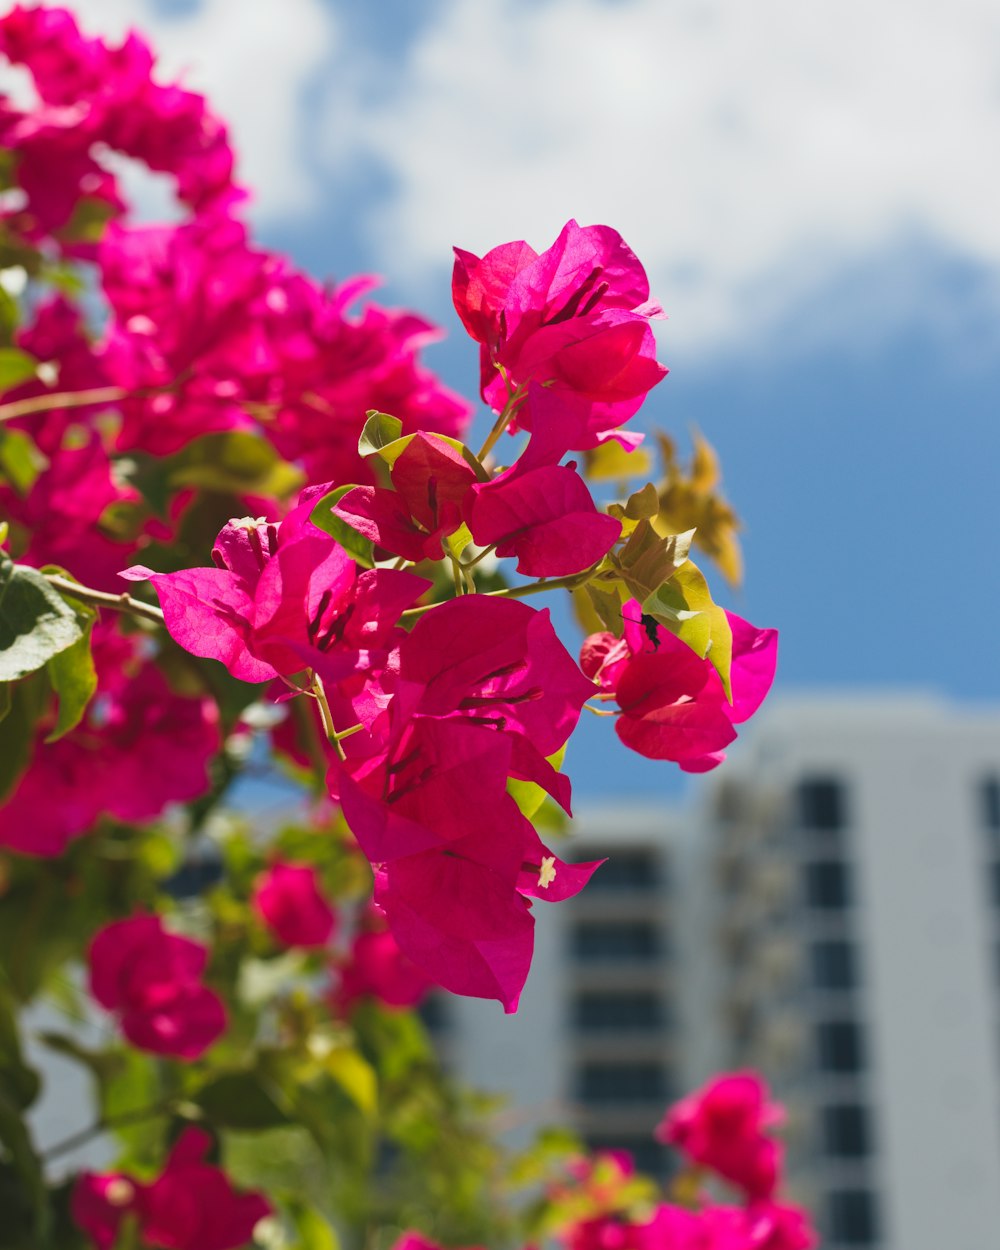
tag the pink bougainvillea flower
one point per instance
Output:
(151, 980)
(778, 1226)
(104, 764)
(284, 597)
(673, 705)
(479, 942)
(494, 660)
(454, 856)
(575, 318)
(62, 514)
(191, 1205)
(93, 93)
(377, 968)
(430, 479)
(545, 517)
(724, 1127)
(289, 901)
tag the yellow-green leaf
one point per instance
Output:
(528, 796)
(355, 1076)
(357, 546)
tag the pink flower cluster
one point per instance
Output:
(103, 766)
(191, 1205)
(95, 96)
(151, 980)
(673, 705)
(432, 716)
(723, 1129)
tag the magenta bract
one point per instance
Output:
(289, 901)
(191, 1205)
(151, 980)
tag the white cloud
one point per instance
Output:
(752, 154)
(252, 60)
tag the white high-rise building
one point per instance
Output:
(828, 910)
(854, 847)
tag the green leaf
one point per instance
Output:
(242, 1100)
(36, 623)
(684, 605)
(17, 1142)
(458, 540)
(18, 1082)
(311, 1229)
(378, 432)
(526, 794)
(17, 731)
(643, 504)
(611, 462)
(235, 461)
(18, 460)
(355, 1076)
(357, 546)
(72, 675)
(647, 560)
(15, 367)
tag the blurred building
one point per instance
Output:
(829, 912)
(853, 889)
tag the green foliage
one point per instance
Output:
(16, 367)
(356, 545)
(36, 623)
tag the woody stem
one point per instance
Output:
(102, 599)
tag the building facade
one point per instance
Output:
(827, 910)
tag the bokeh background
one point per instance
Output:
(814, 189)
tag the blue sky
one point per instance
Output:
(814, 190)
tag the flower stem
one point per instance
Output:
(106, 1125)
(103, 599)
(324, 710)
(514, 401)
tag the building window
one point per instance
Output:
(597, 1013)
(840, 1047)
(989, 800)
(435, 1014)
(833, 965)
(828, 884)
(622, 1082)
(620, 941)
(821, 804)
(649, 1156)
(847, 1131)
(853, 1217)
(627, 870)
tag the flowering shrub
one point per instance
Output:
(236, 504)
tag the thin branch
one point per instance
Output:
(103, 599)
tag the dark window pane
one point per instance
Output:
(847, 1131)
(198, 874)
(617, 1010)
(627, 870)
(833, 965)
(433, 1011)
(828, 885)
(989, 797)
(621, 1082)
(821, 804)
(840, 1046)
(616, 940)
(995, 882)
(648, 1154)
(853, 1217)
